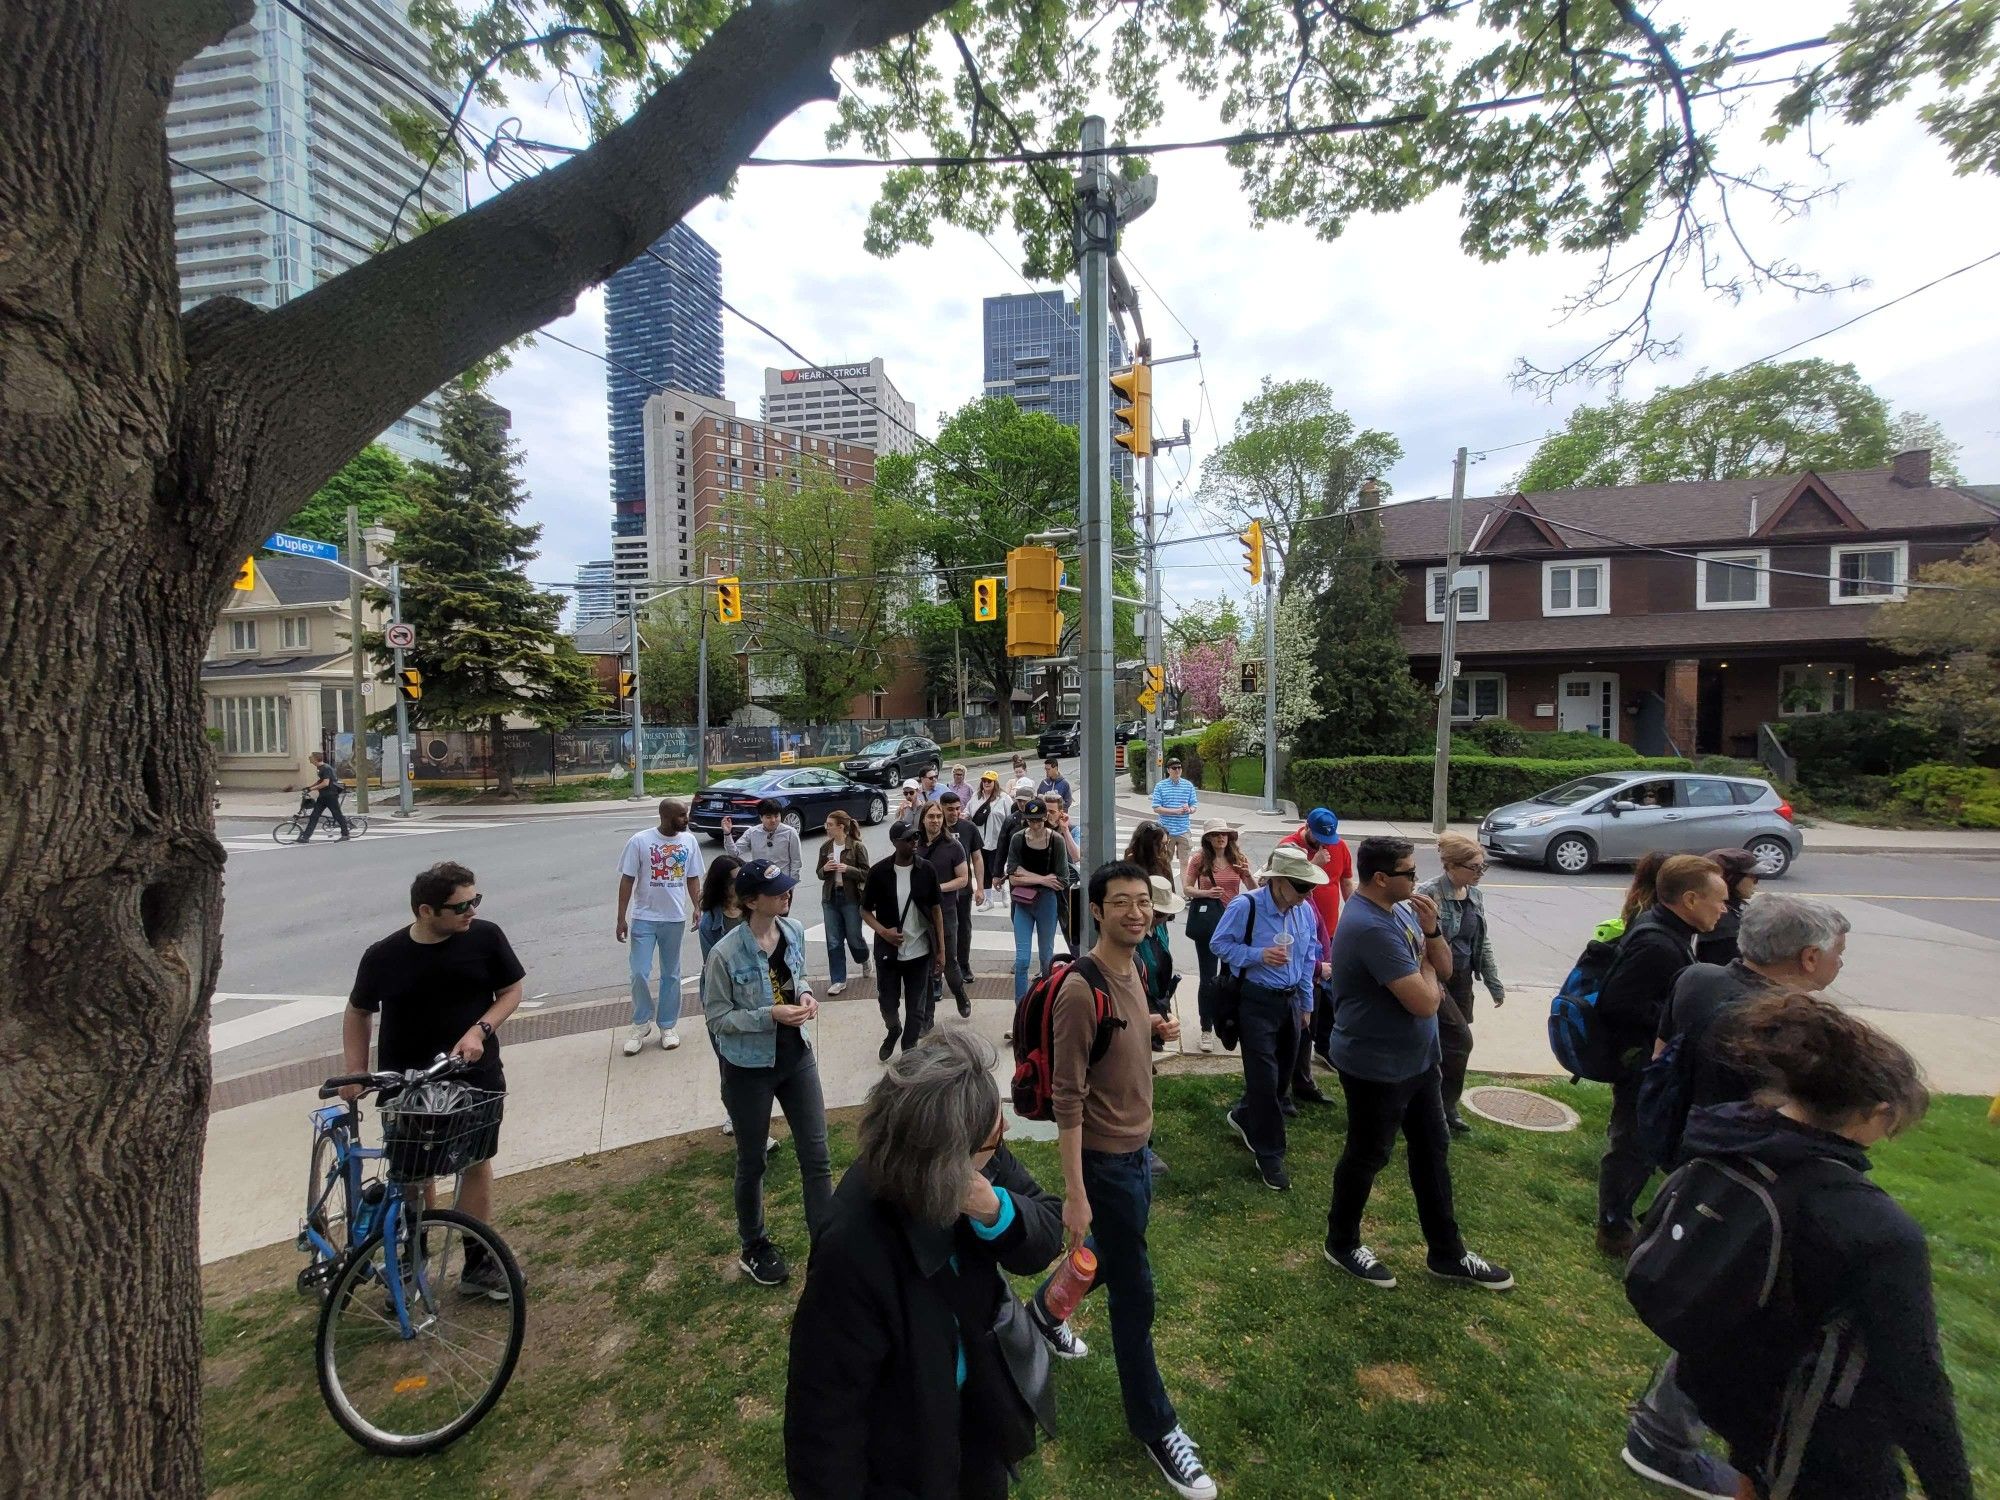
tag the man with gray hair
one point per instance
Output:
(1783, 943)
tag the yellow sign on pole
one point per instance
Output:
(788, 757)
(246, 577)
(1149, 700)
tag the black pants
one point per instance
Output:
(903, 988)
(954, 974)
(748, 1093)
(1302, 1058)
(327, 801)
(1624, 1169)
(1269, 1042)
(1375, 1113)
(1455, 1036)
(1206, 966)
(962, 950)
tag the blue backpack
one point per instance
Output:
(1576, 1032)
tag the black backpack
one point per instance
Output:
(1033, 1092)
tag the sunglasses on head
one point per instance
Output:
(462, 907)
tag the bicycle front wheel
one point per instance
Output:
(288, 831)
(357, 824)
(402, 1393)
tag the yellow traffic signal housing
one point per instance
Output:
(1253, 551)
(410, 684)
(1156, 680)
(729, 600)
(1034, 617)
(985, 598)
(246, 577)
(625, 684)
(1135, 386)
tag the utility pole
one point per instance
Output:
(1155, 626)
(404, 799)
(958, 657)
(355, 719)
(1096, 241)
(638, 720)
(1270, 685)
(1447, 667)
(701, 698)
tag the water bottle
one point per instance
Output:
(1073, 1278)
(368, 1210)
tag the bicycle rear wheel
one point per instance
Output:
(288, 831)
(402, 1394)
(327, 1211)
(357, 823)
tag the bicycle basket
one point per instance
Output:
(439, 1129)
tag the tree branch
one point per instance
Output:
(282, 400)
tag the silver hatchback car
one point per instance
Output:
(1616, 818)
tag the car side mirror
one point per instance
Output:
(1620, 807)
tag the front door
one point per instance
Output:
(1588, 701)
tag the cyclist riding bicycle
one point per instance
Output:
(324, 794)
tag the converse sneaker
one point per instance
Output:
(669, 1040)
(763, 1264)
(638, 1039)
(1062, 1341)
(1360, 1262)
(1473, 1270)
(1690, 1471)
(1207, 1040)
(1178, 1465)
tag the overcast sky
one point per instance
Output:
(1413, 336)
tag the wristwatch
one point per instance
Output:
(486, 1029)
(1431, 937)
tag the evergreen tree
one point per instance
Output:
(1367, 703)
(487, 640)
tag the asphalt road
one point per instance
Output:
(298, 918)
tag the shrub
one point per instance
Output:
(1832, 748)
(1187, 749)
(1728, 765)
(1494, 737)
(1399, 786)
(1497, 737)
(1217, 747)
(1966, 795)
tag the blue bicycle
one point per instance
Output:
(409, 1359)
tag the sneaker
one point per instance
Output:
(1360, 1262)
(1288, 1109)
(1310, 1093)
(837, 989)
(1473, 1270)
(888, 1045)
(729, 1127)
(1155, 1163)
(763, 1264)
(1061, 1339)
(639, 1037)
(1690, 1471)
(669, 1040)
(1456, 1123)
(485, 1280)
(1175, 1456)
(1617, 1238)
(1208, 1041)
(770, 1144)
(1235, 1119)
(1274, 1175)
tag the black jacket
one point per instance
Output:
(878, 899)
(1651, 955)
(1719, 946)
(873, 1410)
(1852, 1251)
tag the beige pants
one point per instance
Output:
(1179, 847)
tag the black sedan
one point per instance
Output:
(806, 793)
(892, 761)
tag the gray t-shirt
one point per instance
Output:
(1374, 1037)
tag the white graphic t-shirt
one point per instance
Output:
(662, 867)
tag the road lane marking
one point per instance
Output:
(292, 1010)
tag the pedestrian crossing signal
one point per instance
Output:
(729, 600)
(985, 598)
(626, 682)
(246, 577)
(410, 684)
(1249, 677)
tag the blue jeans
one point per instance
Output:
(1033, 922)
(644, 939)
(845, 933)
(1120, 1188)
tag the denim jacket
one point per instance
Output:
(1483, 962)
(736, 995)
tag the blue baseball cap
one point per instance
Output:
(762, 877)
(1323, 825)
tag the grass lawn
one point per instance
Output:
(653, 1368)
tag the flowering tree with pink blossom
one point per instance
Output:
(1203, 675)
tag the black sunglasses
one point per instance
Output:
(1409, 874)
(462, 907)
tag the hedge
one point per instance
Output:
(1399, 786)
(1507, 740)
(1188, 748)
(1966, 795)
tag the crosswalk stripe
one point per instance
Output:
(294, 1010)
(254, 843)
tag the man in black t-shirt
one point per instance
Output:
(442, 984)
(325, 792)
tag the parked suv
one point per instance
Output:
(1616, 817)
(1062, 737)
(889, 762)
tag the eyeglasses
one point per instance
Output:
(992, 1142)
(1128, 903)
(462, 907)
(1409, 874)
(1476, 866)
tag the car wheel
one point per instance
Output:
(1570, 854)
(878, 809)
(791, 819)
(1773, 856)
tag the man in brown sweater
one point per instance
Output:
(1104, 1115)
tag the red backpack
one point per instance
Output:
(1034, 1034)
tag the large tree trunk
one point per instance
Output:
(141, 456)
(503, 764)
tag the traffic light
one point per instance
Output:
(246, 578)
(1034, 617)
(985, 598)
(410, 687)
(626, 682)
(1156, 680)
(1253, 551)
(729, 600)
(1135, 386)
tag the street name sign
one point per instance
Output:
(301, 546)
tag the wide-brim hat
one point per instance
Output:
(1290, 862)
(1219, 825)
(1165, 902)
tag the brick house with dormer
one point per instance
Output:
(1677, 617)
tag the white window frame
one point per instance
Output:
(242, 637)
(252, 724)
(1434, 605)
(1603, 604)
(1468, 680)
(294, 632)
(1898, 590)
(1826, 669)
(1762, 562)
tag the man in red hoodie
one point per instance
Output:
(1320, 837)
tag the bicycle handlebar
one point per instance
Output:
(374, 1082)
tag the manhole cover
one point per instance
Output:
(1520, 1108)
